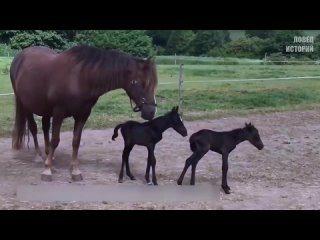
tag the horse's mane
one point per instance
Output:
(110, 63)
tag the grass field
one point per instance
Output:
(204, 96)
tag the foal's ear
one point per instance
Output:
(175, 109)
(248, 124)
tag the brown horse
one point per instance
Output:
(68, 84)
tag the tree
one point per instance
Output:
(135, 42)
(263, 34)
(179, 41)
(284, 38)
(23, 39)
(206, 40)
(18, 39)
(159, 37)
(245, 47)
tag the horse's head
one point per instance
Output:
(253, 136)
(141, 88)
(177, 123)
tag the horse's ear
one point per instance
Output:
(146, 62)
(177, 108)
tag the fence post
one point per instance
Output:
(265, 59)
(180, 89)
(175, 59)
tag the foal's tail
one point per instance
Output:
(19, 127)
(115, 133)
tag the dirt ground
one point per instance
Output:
(284, 175)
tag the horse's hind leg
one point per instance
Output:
(77, 132)
(46, 128)
(56, 126)
(34, 130)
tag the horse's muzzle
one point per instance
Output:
(148, 111)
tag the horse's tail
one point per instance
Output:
(19, 126)
(20, 118)
(115, 133)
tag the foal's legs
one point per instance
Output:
(152, 163)
(224, 184)
(56, 126)
(193, 171)
(129, 174)
(79, 123)
(125, 160)
(33, 129)
(45, 129)
(147, 175)
(193, 159)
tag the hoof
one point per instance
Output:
(226, 189)
(120, 181)
(150, 183)
(132, 178)
(46, 178)
(46, 175)
(77, 177)
(179, 182)
(155, 183)
(38, 159)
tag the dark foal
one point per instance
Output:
(147, 134)
(220, 142)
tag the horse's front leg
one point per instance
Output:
(56, 126)
(77, 131)
(224, 184)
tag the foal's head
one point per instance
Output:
(176, 122)
(252, 135)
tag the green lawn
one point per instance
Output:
(204, 96)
